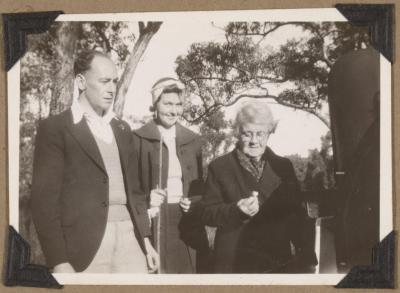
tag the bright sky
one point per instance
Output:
(297, 131)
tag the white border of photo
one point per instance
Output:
(304, 15)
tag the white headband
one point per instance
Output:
(160, 85)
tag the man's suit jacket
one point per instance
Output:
(70, 190)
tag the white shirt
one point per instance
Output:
(99, 126)
(174, 181)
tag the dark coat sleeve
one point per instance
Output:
(192, 230)
(286, 198)
(216, 211)
(303, 232)
(47, 183)
(199, 160)
(138, 197)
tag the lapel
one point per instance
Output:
(238, 171)
(86, 140)
(269, 180)
(122, 142)
(149, 131)
(155, 164)
(183, 135)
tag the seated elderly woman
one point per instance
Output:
(252, 197)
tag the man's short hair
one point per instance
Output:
(84, 60)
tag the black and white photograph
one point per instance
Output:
(201, 148)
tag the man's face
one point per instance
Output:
(99, 83)
(253, 139)
(169, 108)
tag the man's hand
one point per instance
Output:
(157, 197)
(63, 268)
(185, 203)
(152, 257)
(250, 205)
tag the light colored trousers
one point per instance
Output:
(119, 251)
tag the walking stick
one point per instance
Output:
(158, 228)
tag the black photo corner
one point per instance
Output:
(18, 271)
(378, 272)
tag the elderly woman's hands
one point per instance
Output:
(250, 205)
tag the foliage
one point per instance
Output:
(315, 172)
(216, 138)
(107, 37)
(220, 74)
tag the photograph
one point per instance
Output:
(247, 147)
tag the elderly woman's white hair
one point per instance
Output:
(255, 112)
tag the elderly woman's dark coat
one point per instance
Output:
(260, 244)
(189, 229)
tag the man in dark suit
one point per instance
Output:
(83, 207)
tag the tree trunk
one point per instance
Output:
(63, 81)
(145, 35)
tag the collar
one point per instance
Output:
(268, 154)
(81, 107)
(255, 168)
(151, 131)
(243, 156)
(167, 133)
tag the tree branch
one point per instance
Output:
(218, 105)
(142, 27)
(265, 33)
(308, 110)
(146, 34)
(211, 78)
(278, 26)
(238, 80)
(150, 27)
